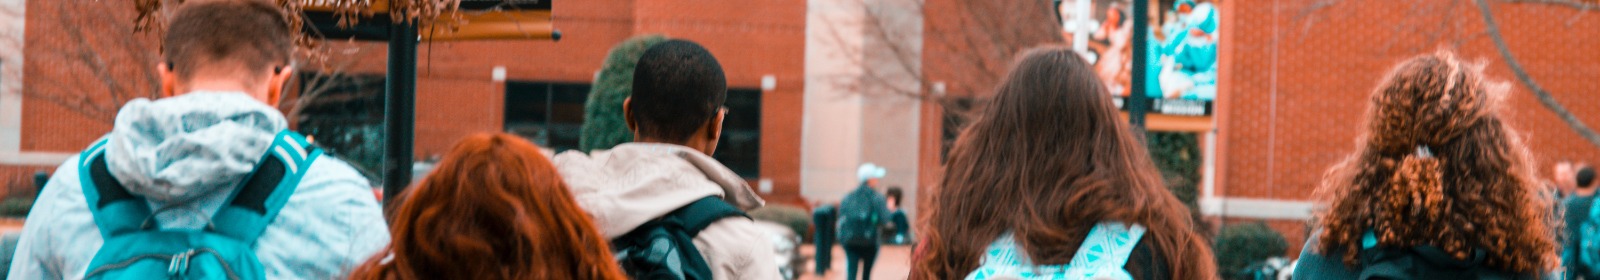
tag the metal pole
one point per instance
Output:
(1138, 103)
(1080, 26)
(399, 114)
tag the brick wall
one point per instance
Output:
(67, 103)
(17, 180)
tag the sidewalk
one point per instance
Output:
(894, 263)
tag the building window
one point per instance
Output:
(957, 113)
(344, 114)
(740, 146)
(551, 115)
(548, 114)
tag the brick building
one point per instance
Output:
(457, 93)
(1294, 79)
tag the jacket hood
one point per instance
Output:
(176, 149)
(634, 183)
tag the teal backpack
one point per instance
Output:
(137, 248)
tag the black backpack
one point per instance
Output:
(859, 222)
(664, 248)
(1427, 262)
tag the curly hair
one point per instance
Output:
(1438, 166)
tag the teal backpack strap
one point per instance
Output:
(1106, 250)
(257, 201)
(116, 211)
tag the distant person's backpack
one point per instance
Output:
(137, 248)
(664, 248)
(859, 220)
(1424, 262)
(1588, 243)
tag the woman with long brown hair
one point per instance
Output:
(494, 208)
(1048, 166)
(1440, 187)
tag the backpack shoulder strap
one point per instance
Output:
(700, 214)
(258, 199)
(1108, 246)
(116, 211)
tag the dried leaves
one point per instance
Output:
(437, 13)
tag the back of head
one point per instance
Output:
(1585, 177)
(677, 88)
(238, 39)
(494, 208)
(1047, 158)
(1437, 166)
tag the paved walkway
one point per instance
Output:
(894, 263)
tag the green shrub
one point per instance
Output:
(1177, 155)
(1240, 245)
(16, 207)
(796, 218)
(603, 124)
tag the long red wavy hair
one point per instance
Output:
(494, 208)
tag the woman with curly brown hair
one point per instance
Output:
(1440, 187)
(494, 208)
(1050, 183)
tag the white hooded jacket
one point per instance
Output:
(634, 183)
(188, 152)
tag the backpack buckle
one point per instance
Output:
(179, 264)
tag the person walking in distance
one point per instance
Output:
(1579, 253)
(862, 214)
(206, 181)
(824, 219)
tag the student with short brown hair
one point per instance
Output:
(206, 181)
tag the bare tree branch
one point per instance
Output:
(988, 34)
(1576, 4)
(1544, 97)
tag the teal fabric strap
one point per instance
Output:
(258, 200)
(115, 210)
(1102, 255)
(1109, 244)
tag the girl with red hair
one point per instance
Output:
(494, 208)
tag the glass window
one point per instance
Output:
(957, 113)
(551, 115)
(344, 114)
(740, 145)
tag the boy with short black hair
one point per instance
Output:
(676, 115)
(193, 157)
